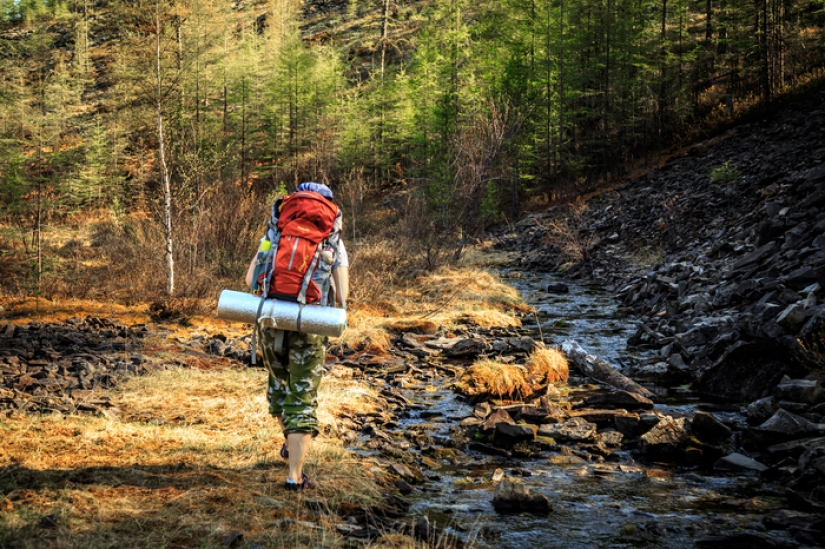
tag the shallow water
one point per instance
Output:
(618, 503)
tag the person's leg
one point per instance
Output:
(306, 366)
(276, 364)
(298, 445)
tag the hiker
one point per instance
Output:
(295, 372)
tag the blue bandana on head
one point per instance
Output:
(319, 188)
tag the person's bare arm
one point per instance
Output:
(250, 272)
(341, 277)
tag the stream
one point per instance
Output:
(597, 502)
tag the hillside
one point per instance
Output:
(720, 252)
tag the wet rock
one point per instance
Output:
(807, 391)
(406, 473)
(761, 410)
(511, 497)
(575, 429)
(494, 419)
(629, 425)
(749, 371)
(620, 399)
(558, 288)
(482, 410)
(737, 541)
(665, 440)
(786, 425)
(611, 437)
(457, 346)
(783, 519)
(795, 448)
(512, 433)
(709, 429)
(525, 343)
(739, 462)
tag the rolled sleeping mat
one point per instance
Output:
(283, 315)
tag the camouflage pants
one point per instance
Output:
(294, 377)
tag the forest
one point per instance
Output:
(168, 127)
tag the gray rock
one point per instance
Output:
(761, 410)
(575, 429)
(784, 424)
(511, 497)
(515, 432)
(499, 416)
(807, 391)
(793, 314)
(709, 429)
(738, 462)
(665, 440)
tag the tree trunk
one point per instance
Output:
(593, 367)
(164, 171)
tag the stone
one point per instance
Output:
(526, 343)
(785, 425)
(511, 497)
(515, 432)
(558, 288)
(749, 371)
(739, 462)
(620, 399)
(629, 425)
(611, 437)
(761, 410)
(807, 391)
(403, 471)
(783, 519)
(492, 421)
(482, 410)
(665, 440)
(575, 429)
(709, 429)
(793, 315)
(602, 418)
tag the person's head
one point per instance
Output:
(319, 188)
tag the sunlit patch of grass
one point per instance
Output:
(492, 379)
(547, 365)
(441, 299)
(495, 379)
(194, 457)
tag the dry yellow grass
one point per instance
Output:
(444, 298)
(547, 365)
(193, 458)
(491, 379)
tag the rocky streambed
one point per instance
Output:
(582, 465)
(577, 465)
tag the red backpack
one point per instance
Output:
(303, 227)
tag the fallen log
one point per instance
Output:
(592, 366)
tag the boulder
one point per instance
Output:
(761, 410)
(709, 429)
(784, 425)
(807, 391)
(575, 429)
(666, 440)
(493, 420)
(629, 425)
(511, 433)
(749, 371)
(511, 497)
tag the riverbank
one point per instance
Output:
(120, 430)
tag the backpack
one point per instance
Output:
(303, 233)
